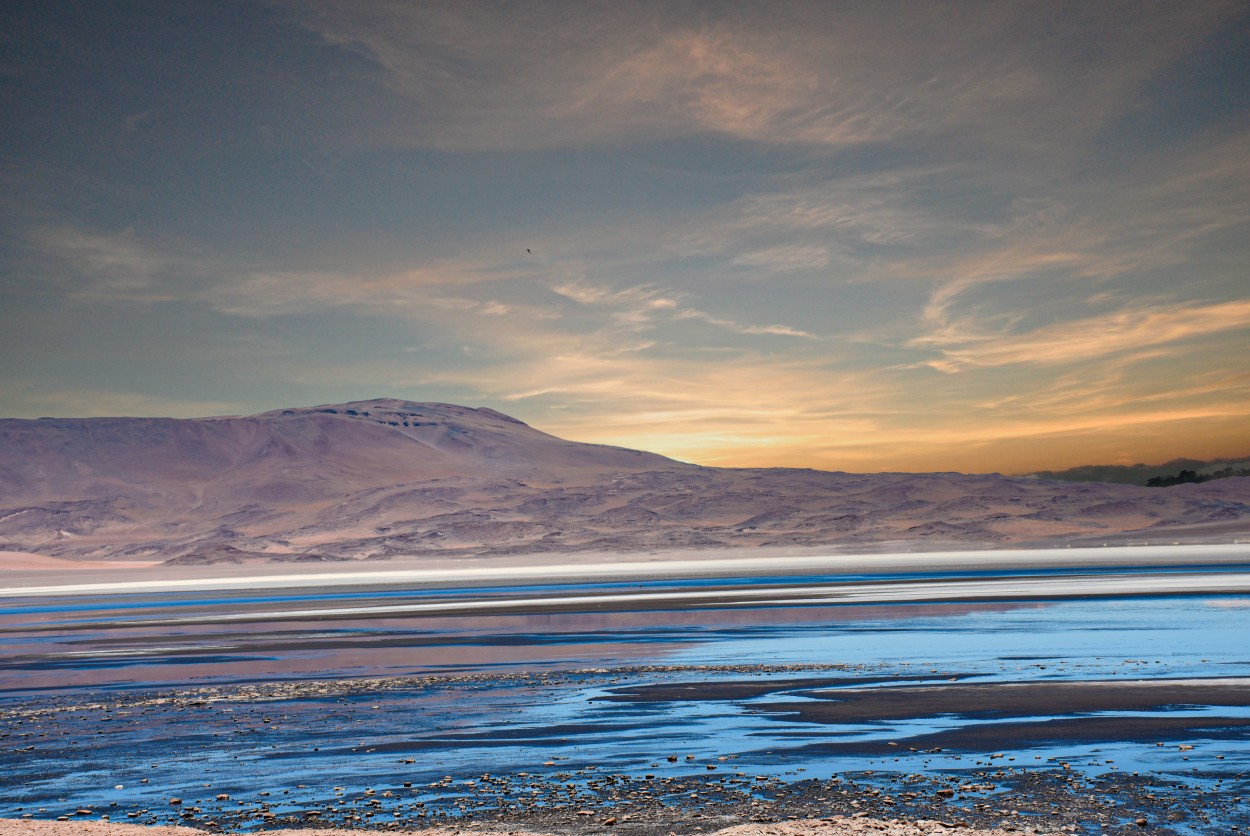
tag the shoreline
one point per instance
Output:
(670, 784)
(973, 790)
(19, 583)
(905, 592)
(988, 801)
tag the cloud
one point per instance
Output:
(757, 410)
(1110, 388)
(116, 265)
(883, 208)
(1063, 252)
(1048, 240)
(543, 74)
(721, 78)
(785, 258)
(708, 409)
(268, 293)
(642, 299)
(642, 307)
(858, 227)
(739, 328)
(122, 267)
(1092, 337)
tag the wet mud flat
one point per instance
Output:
(583, 705)
(373, 755)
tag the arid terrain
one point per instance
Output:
(385, 478)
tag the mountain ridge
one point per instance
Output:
(385, 477)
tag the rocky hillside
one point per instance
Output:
(382, 478)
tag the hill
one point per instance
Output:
(383, 478)
(1150, 475)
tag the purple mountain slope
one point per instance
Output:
(385, 478)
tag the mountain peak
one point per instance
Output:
(398, 413)
(391, 407)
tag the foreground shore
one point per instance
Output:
(353, 755)
(994, 700)
(824, 827)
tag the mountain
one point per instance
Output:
(385, 478)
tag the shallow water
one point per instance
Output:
(558, 683)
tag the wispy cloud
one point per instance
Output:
(409, 293)
(122, 267)
(1099, 336)
(116, 265)
(541, 74)
(554, 74)
(640, 307)
(700, 408)
(785, 258)
(738, 327)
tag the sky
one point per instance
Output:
(863, 236)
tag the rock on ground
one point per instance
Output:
(834, 827)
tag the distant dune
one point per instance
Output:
(384, 478)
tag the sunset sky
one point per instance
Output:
(860, 236)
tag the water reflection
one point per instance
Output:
(620, 690)
(46, 647)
